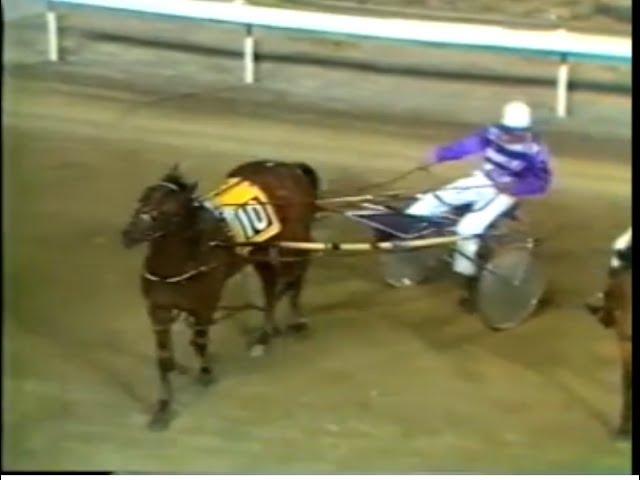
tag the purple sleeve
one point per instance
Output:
(469, 145)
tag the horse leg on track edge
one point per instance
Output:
(162, 320)
(200, 344)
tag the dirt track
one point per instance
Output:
(389, 380)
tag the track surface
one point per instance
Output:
(388, 380)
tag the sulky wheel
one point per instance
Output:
(510, 287)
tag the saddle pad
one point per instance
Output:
(246, 209)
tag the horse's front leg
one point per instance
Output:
(200, 344)
(162, 320)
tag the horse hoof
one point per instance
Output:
(206, 379)
(257, 350)
(298, 327)
(160, 421)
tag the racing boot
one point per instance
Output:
(467, 300)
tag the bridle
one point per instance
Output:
(151, 214)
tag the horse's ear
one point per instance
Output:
(175, 169)
(192, 188)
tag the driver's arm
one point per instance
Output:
(474, 143)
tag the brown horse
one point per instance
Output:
(184, 272)
(614, 311)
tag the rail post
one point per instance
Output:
(53, 47)
(249, 56)
(52, 36)
(562, 87)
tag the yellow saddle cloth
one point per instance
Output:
(247, 210)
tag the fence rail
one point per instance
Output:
(562, 45)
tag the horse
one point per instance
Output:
(614, 311)
(189, 260)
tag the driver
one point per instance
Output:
(516, 165)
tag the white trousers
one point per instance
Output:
(487, 204)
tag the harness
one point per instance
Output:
(246, 214)
(183, 277)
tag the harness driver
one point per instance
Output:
(515, 166)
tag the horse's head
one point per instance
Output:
(162, 208)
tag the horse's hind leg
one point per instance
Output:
(299, 323)
(200, 344)
(161, 321)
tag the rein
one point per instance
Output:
(390, 181)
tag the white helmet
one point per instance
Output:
(516, 114)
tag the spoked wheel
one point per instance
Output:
(510, 287)
(407, 268)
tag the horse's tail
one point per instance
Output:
(311, 175)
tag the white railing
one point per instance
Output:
(562, 45)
